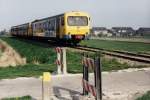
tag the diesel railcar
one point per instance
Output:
(70, 26)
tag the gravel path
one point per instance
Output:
(122, 85)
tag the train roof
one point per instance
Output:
(19, 25)
(37, 20)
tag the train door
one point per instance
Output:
(62, 26)
(58, 27)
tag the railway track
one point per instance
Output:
(120, 54)
(144, 58)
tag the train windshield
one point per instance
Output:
(77, 21)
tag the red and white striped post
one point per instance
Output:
(94, 64)
(61, 60)
(85, 75)
(58, 60)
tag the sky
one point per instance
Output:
(104, 13)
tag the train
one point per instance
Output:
(71, 27)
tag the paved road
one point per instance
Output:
(116, 85)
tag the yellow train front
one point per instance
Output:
(70, 27)
(76, 27)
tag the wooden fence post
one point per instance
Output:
(98, 79)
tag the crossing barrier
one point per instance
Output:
(95, 65)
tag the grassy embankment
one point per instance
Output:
(41, 58)
(121, 45)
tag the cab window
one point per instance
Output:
(77, 21)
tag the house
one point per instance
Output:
(143, 31)
(100, 31)
(123, 31)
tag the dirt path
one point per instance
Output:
(9, 57)
(122, 85)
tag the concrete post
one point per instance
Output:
(59, 65)
(64, 67)
(46, 86)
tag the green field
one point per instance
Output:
(46, 56)
(118, 45)
(145, 96)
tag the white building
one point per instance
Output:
(101, 31)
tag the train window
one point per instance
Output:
(62, 21)
(47, 24)
(41, 25)
(77, 21)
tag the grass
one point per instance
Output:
(32, 70)
(145, 96)
(121, 45)
(28, 70)
(19, 98)
(107, 65)
(33, 51)
(45, 56)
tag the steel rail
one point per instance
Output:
(119, 54)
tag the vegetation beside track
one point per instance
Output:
(145, 96)
(34, 52)
(121, 45)
(19, 98)
(41, 58)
